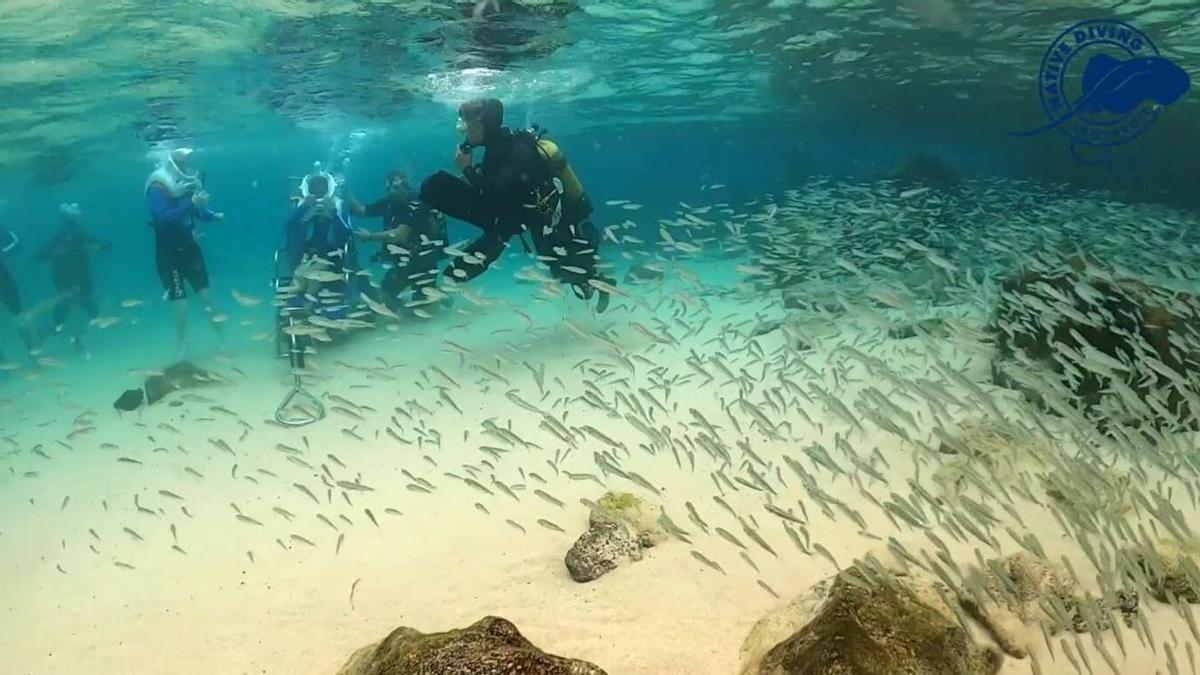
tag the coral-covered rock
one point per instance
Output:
(1019, 596)
(618, 530)
(490, 646)
(855, 627)
(1076, 332)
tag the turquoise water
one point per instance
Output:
(752, 162)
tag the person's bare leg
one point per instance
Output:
(214, 317)
(180, 308)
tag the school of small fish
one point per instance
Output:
(822, 437)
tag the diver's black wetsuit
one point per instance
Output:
(10, 299)
(508, 194)
(69, 254)
(426, 246)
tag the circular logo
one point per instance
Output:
(1085, 79)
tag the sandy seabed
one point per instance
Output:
(242, 597)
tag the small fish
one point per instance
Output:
(308, 492)
(341, 538)
(247, 519)
(549, 525)
(765, 587)
(516, 525)
(709, 563)
(549, 498)
(729, 538)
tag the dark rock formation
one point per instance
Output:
(881, 627)
(926, 169)
(617, 532)
(1018, 593)
(1169, 571)
(600, 550)
(490, 646)
(1043, 317)
(182, 375)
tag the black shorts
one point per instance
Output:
(178, 263)
(9, 297)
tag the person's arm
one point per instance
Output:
(166, 210)
(375, 209)
(511, 180)
(8, 241)
(295, 216)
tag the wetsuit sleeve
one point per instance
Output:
(166, 210)
(205, 214)
(376, 209)
(511, 181)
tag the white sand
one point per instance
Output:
(442, 564)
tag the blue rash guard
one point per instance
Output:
(174, 217)
(317, 235)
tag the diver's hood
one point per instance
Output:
(175, 180)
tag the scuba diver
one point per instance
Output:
(523, 185)
(10, 297)
(318, 242)
(414, 240)
(69, 256)
(177, 199)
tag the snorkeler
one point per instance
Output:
(523, 185)
(317, 232)
(69, 255)
(177, 199)
(10, 297)
(414, 240)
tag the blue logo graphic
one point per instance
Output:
(1103, 84)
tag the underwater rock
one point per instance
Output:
(600, 550)
(633, 512)
(617, 532)
(1017, 594)
(891, 624)
(1171, 570)
(926, 169)
(130, 400)
(490, 646)
(182, 375)
(1086, 308)
(644, 272)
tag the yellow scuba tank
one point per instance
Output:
(573, 193)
